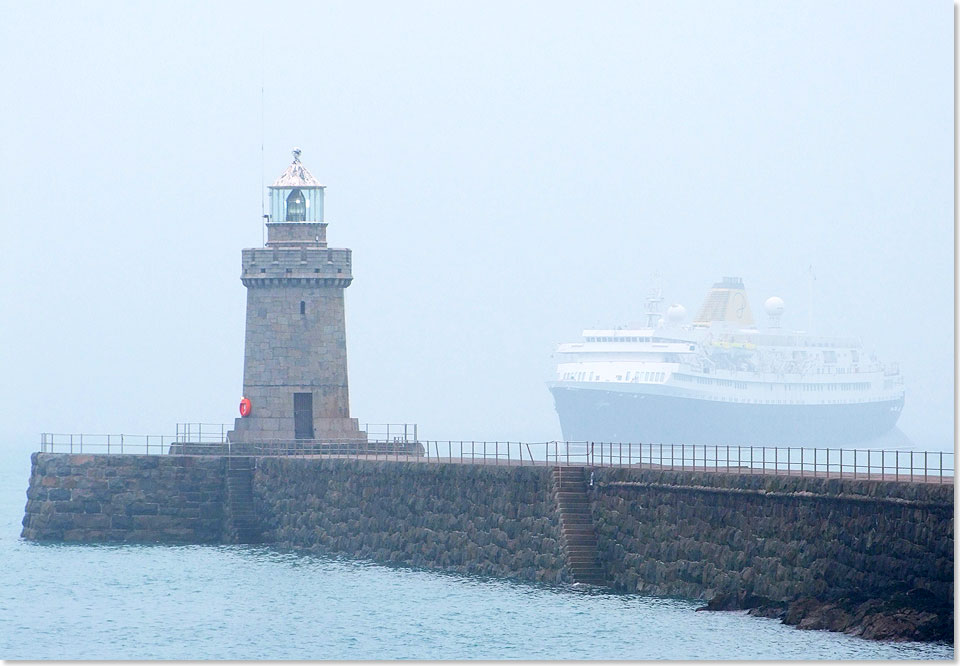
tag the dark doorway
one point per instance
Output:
(303, 415)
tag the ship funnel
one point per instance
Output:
(726, 301)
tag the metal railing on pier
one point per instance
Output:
(217, 432)
(396, 432)
(872, 464)
(123, 443)
(203, 432)
(869, 464)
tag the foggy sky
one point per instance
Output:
(506, 175)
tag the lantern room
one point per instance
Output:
(296, 196)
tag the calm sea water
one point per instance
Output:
(235, 602)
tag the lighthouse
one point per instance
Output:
(295, 345)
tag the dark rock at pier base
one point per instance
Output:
(916, 615)
(895, 619)
(741, 600)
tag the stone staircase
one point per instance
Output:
(576, 525)
(242, 521)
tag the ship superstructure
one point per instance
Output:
(723, 381)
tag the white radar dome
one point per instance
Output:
(773, 306)
(676, 313)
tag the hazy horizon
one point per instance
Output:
(506, 176)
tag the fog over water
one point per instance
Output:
(506, 175)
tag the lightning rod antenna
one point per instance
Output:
(263, 205)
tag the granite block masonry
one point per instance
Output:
(125, 498)
(295, 347)
(697, 534)
(495, 521)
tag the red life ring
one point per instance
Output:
(245, 407)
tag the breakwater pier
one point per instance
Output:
(847, 540)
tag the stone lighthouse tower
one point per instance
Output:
(295, 349)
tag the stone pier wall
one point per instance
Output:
(697, 535)
(128, 498)
(693, 535)
(495, 521)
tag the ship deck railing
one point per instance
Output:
(898, 465)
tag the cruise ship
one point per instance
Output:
(721, 380)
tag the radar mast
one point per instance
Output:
(653, 303)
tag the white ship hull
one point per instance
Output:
(615, 416)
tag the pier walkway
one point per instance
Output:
(867, 464)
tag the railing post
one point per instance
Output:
(898, 464)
